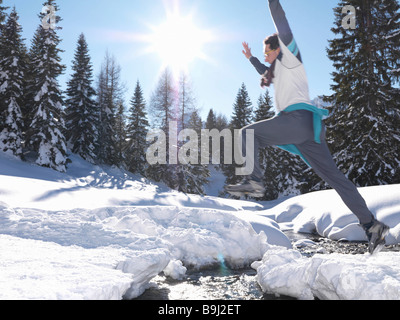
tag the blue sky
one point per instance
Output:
(116, 25)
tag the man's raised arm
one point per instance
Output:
(283, 28)
(261, 68)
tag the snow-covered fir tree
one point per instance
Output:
(264, 108)
(81, 109)
(12, 72)
(45, 135)
(363, 127)
(3, 15)
(242, 109)
(137, 128)
(241, 117)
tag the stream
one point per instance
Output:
(218, 283)
(214, 284)
(223, 283)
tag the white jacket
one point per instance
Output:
(290, 81)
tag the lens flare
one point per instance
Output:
(178, 41)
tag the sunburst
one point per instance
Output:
(178, 41)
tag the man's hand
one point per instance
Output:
(247, 50)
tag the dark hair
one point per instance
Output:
(272, 41)
(268, 77)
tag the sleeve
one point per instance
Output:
(261, 68)
(283, 28)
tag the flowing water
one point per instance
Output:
(214, 284)
(223, 283)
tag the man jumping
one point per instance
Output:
(298, 126)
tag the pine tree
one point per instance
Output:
(137, 129)
(106, 117)
(120, 137)
(161, 110)
(186, 100)
(45, 134)
(210, 124)
(241, 117)
(81, 109)
(163, 101)
(242, 109)
(264, 109)
(211, 120)
(109, 95)
(365, 119)
(2, 15)
(12, 68)
(192, 177)
(220, 123)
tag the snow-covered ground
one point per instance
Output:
(100, 233)
(333, 276)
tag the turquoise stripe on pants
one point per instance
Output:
(318, 115)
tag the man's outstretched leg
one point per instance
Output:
(320, 158)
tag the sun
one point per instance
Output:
(178, 41)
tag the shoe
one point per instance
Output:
(247, 187)
(376, 232)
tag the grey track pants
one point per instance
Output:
(297, 128)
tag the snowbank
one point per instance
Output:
(140, 241)
(334, 276)
(70, 230)
(89, 186)
(323, 212)
(31, 269)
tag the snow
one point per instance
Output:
(330, 277)
(334, 276)
(44, 90)
(175, 270)
(323, 212)
(4, 86)
(30, 269)
(101, 233)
